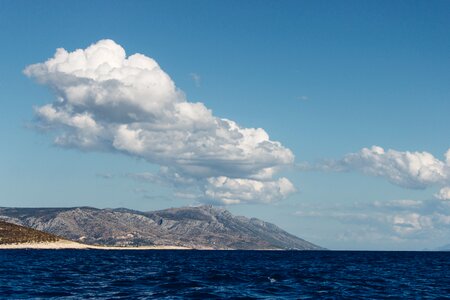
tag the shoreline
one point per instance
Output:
(70, 245)
(65, 244)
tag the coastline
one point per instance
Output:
(65, 244)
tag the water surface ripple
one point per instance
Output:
(178, 274)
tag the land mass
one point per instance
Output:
(14, 236)
(203, 227)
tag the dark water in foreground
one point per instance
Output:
(222, 274)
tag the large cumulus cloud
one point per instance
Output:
(110, 102)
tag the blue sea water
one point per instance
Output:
(100, 274)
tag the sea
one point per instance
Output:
(193, 274)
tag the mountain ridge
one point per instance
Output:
(17, 234)
(192, 227)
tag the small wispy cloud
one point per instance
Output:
(196, 78)
(144, 177)
(105, 175)
(303, 98)
(146, 194)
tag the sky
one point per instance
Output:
(327, 118)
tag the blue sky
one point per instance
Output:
(323, 78)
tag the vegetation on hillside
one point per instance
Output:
(15, 234)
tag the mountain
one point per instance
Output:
(203, 227)
(443, 248)
(15, 234)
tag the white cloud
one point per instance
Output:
(398, 204)
(411, 223)
(416, 170)
(443, 194)
(394, 219)
(232, 191)
(110, 102)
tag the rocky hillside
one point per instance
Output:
(193, 227)
(15, 234)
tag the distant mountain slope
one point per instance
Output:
(15, 234)
(193, 227)
(443, 248)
